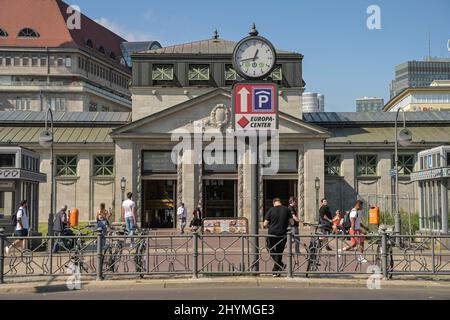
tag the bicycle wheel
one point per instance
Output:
(312, 265)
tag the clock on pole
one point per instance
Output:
(254, 57)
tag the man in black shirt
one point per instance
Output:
(277, 220)
(326, 219)
(296, 227)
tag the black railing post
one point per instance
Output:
(195, 255)
(100, 238)
(384, 255)
(2, 256)
(50, 250)
(289, 262)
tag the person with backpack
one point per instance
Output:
(356, 231)
(21, 222)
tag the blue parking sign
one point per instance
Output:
(263, 100)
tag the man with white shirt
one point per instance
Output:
(129, 215)
(22, 226)
(355, 231)
(182, 216)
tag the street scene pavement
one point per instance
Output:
(231, 289)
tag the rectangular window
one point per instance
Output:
(68, 62)
(7, 61)
(333, 165)
(93, 107)
(158, 161)
(60, 61)
(34, 62)
(448, 159)
(103, 166)
(16, 61)
(7, 160)
(199, 74)
(66, 166)
(287, 161)
(231, 76)
(224, 166)
(1, 60)
(367, 165)
(162, 73)
(23, 104)
(25, 61)
(43, 61)
(405, 164)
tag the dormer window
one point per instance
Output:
(112, 55)
(101, 49)
(28, 33)
(89, 43)
(3, 33)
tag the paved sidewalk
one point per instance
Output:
(269, 282)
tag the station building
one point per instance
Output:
(101, 155)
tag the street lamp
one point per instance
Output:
(46, 141)
(403, 138)
(317, 187)
(123, 185)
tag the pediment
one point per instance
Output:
(213, 111)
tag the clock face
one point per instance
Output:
(254, 58)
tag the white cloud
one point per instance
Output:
(123, 31)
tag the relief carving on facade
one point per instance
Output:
(138, 153)
(179, 183)
(301, 182)
(241, 190)
(220, 117)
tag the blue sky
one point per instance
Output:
(343, 58)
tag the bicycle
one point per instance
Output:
(139, 255)
(389, 252)
(314, 249)
(76, 253)
(113, 249)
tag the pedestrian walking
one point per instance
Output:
(293, 206)
(21, 222)
(278, 219)
(59, 226)
(326, 219)
(196, 222)
(129, 216)
(182, 216)
(356, 232)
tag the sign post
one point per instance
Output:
(255, 109)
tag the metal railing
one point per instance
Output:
(223, 255)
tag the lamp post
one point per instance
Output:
(123, 185)
(317, 187)
(46, 141)
(403, 138)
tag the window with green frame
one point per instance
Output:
(405, 164)
(366, 165)
(66, 165)
(103, 166)
(162, 73)
(231, 76)
(277, 74)
(198, 74)
(332, 165)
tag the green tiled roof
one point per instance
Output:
(30, 135)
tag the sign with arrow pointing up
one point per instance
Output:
(255, 106)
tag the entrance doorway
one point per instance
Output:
(283, 189)
(220, 198)
(159, 204)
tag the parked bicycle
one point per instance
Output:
(314, 249)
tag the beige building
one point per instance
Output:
(436, 97)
